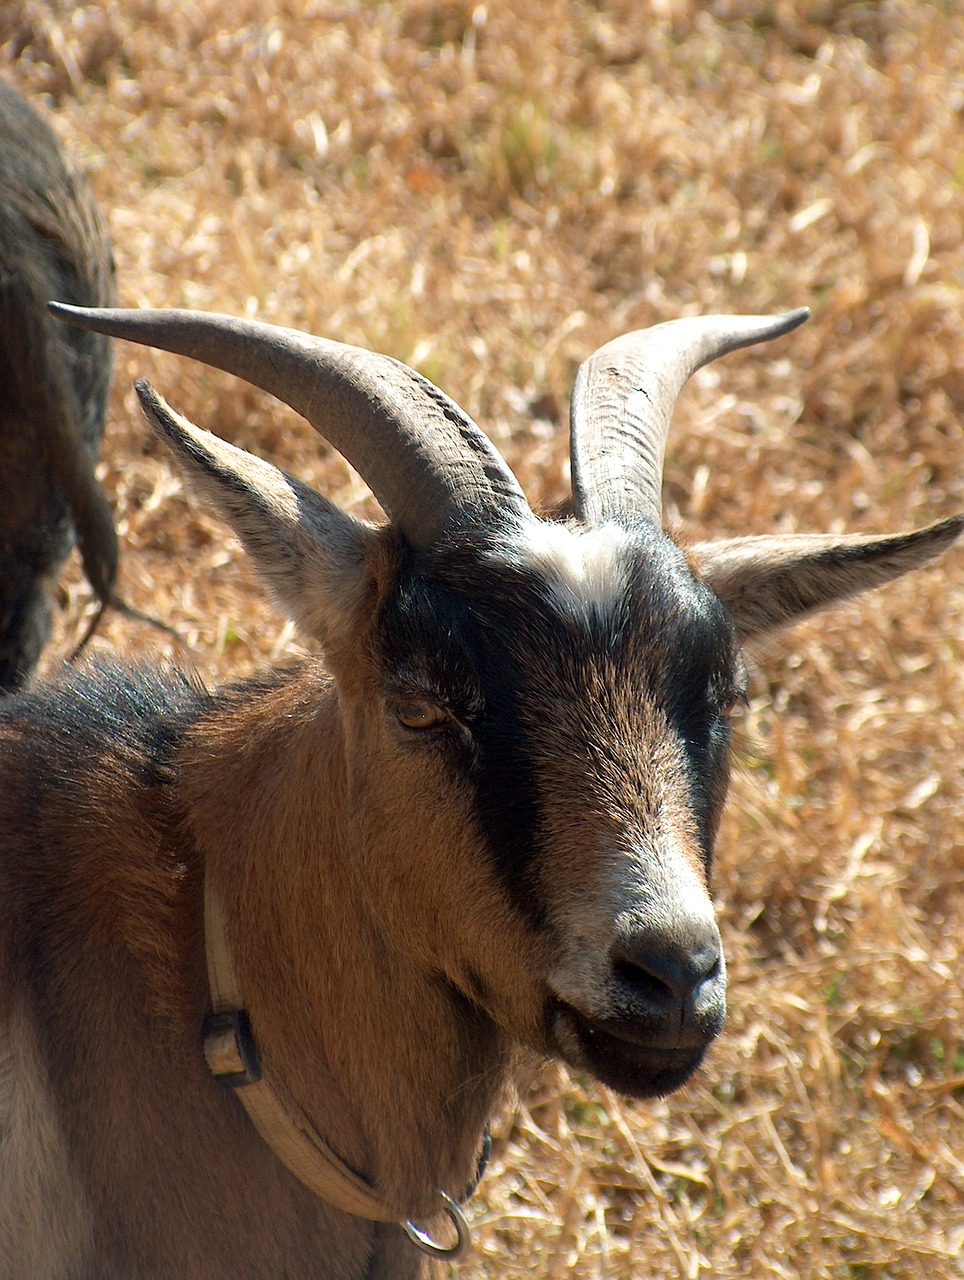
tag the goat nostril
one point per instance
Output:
(639, 982)
(653, 973)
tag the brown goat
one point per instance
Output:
(350, 892)
(54, 384)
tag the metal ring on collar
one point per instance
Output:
(425, 1242)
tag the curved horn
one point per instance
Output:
(426, 461)
(623, 400)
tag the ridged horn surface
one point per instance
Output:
(623, 400)
(426, 461)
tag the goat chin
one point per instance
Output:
(614, 1053)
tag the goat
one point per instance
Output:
(350, 892)
(54, 383)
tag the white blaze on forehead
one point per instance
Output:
(587, 569)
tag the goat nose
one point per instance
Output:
(669, 965)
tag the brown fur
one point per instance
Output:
(45, 1219)
(386, 966)
(127, 1066)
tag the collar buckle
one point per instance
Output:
(229, 1049)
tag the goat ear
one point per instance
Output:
(314, 558)
(770, 582)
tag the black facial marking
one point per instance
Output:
(549, 700)
(703, 676)
(447, 632)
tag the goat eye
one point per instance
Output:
(419, 713)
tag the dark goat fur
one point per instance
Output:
(54, 383)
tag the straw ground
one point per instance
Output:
(489, 191)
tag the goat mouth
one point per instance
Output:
(618, 1056)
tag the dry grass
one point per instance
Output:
(488, 191)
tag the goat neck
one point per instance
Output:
(401, 1091)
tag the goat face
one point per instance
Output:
(534, 716)
(567, 690)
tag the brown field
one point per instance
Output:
(489, 191)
